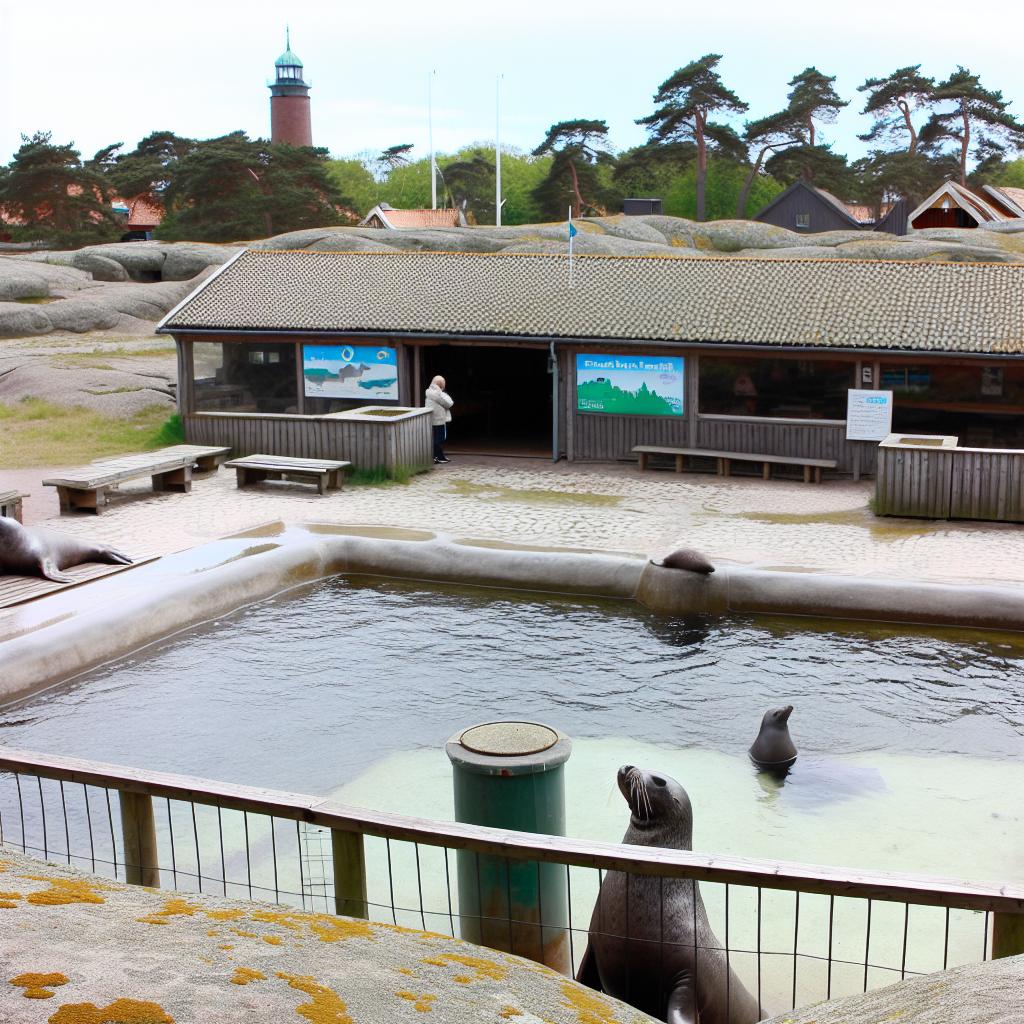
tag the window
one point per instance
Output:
(803, 220)
(235, 377)
(813, 389)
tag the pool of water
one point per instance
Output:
(911, 744)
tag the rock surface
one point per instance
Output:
(100, 950)
(989, 993)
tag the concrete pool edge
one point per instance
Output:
(60, 636)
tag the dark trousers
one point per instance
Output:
(440, 435)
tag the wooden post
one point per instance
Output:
(1007, 935)
(349, 873)
(138, 832)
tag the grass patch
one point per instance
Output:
(379, 476)
(36, 300)
(172, 431)
(112, 391)
(383, 412)
(34, 432)
(95, 358)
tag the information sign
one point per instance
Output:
(868, 415)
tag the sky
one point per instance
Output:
(114, 72)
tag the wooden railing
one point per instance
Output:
(26, 823)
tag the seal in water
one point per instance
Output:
(773, 750)
(34, 552)
(688, 559)
(671, 966)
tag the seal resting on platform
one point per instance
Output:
(687, 559)
(35, 552)
(672, 966)
(774, 750)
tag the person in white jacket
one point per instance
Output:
(440, 404)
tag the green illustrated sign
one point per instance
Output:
(630, 385)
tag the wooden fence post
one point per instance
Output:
(138, 831)
(1007, 935)
(349, 858)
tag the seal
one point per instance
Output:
(687, 559)
(28, 551)
(774, 750)
(671, 966)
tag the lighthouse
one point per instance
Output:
(289, 100)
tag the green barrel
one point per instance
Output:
(511, 775)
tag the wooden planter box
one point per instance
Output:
(369, 441)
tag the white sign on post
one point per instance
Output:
(868, 415)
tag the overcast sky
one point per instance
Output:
(113, 72)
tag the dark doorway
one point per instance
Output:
(502, 398)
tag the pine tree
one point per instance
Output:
(686, 100)
(974, 113)
(576, 147)
(891, 100)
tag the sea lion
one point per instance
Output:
(687, 559)
(671, 966)
(774, 750)
(35, 552)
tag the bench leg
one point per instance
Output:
(176, 480)
(726, 467)
(766, 471)
(817, 474)
(642, 460)
(679, 463)
(321, 482)
(807, 474)
(207, 463)
(85, 501)
(334, 480)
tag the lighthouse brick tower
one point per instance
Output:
(289, 101)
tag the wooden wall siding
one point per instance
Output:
(766, 437)
(914, 482)
(367, 443)
(605, 437)
(987, 485)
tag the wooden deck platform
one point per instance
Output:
(19, 589)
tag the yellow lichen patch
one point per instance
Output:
(406, 970)
(243, 975)
(423, 1003)
(4, 865)
(590, 1007)
(121, 1011)
(510, 1011)
(65, 890)
(244, 934)
(37, 986)
(419, 933)
(481, 967)
(326, 1006)
(273, 940)
(9, 900)
(224, 915)
(212, 933)
(227, 945)
(173, 907)
(151, 919)
(462, 979)
(336, 929)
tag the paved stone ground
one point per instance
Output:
(774, 524)
(77, 949)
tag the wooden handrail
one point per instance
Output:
(793, 877)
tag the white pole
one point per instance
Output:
(497, 152)
(430, 133)
(570, 245)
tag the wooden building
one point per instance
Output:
(804, 207)
(953, 205)
(749, 355)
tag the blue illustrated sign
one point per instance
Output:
(350, 371)
(630, 385)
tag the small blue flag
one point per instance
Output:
(572, 230)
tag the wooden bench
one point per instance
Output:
(327, 474)
(725, 460)
(170, 469)
(10, 504)
(207, 458)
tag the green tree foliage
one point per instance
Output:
(651, 170)
(883, 177)
(233, 188)
(1010, 173)
(685, 102)
(576, 149)
(352, 178)
(771, 134)
(54, 197)
(817, 164)
(394, 156)
(891, 101)
(470, 184)
(147, 170)
(724, 183)
(813, 98)
(971, 113)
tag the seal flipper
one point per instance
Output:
(682, 1000)
(112, 556)
(48, 568)
(588, 974)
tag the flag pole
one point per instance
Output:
(430, 134)
(571, 233)
(497, 151)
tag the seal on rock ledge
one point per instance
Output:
(36, 552)
(671, 966)
(687, 559)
